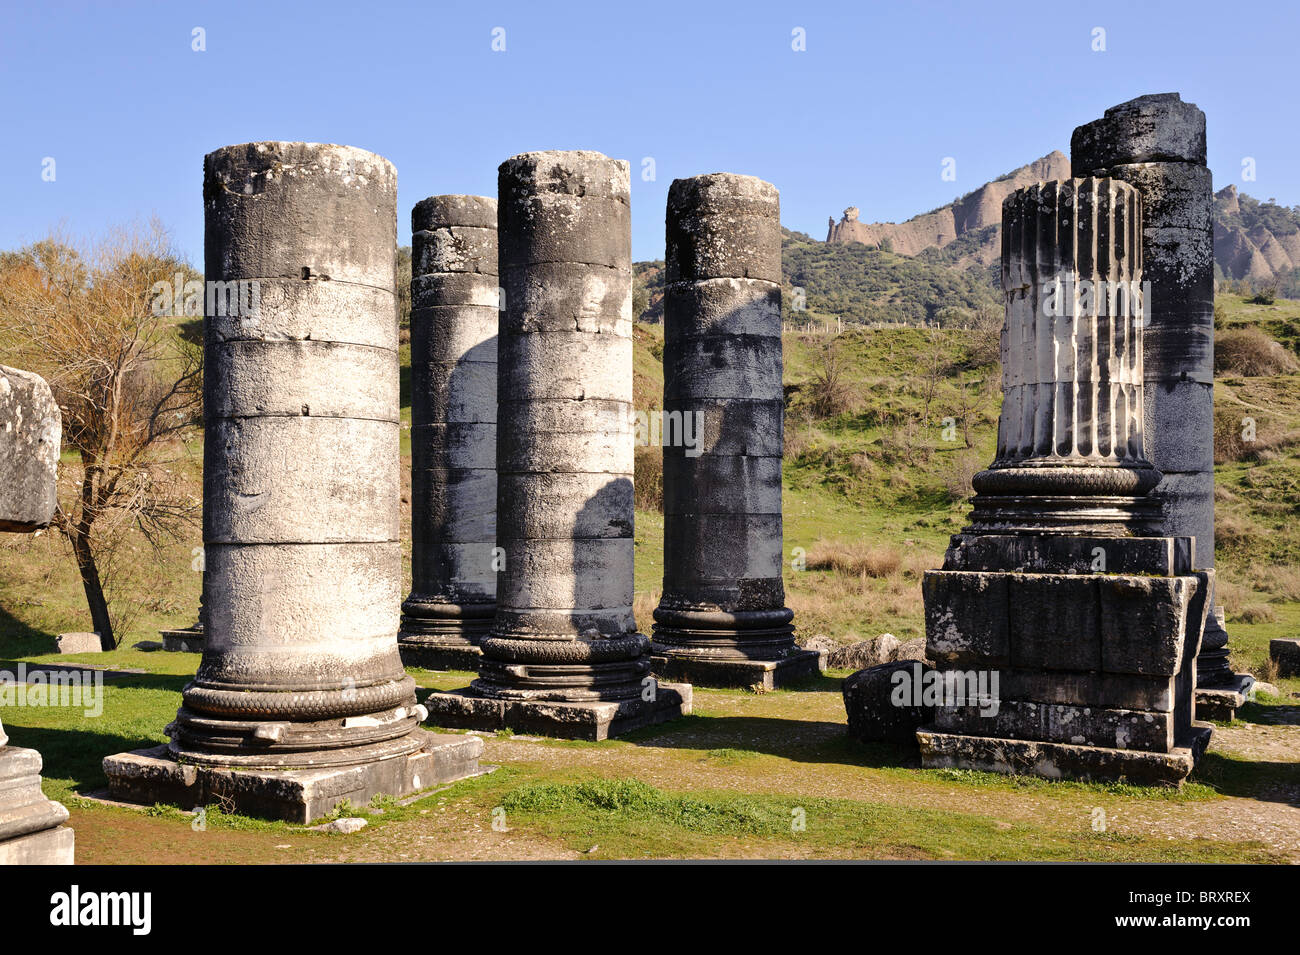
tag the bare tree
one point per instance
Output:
(127, 375)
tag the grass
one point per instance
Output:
(870, 501)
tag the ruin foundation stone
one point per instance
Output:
(300, 700)
(1157, 143)
(564, 657)
(453, 432)
(1060, 589)
(722, 620)
(31, 427)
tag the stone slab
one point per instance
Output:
(464, 709)
(81, 642)
(150, 776)
(1220, 703)
(187, 640)
(1063, 760)
(439, 658)
(762, 674)
(1079, 725)
(1061, 554)
(51, 847)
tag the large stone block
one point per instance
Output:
(881, 706)
(1060, 554)
(1158, 127)
(1061, 723)
(1144, 623)
(30, 431)
(966, 617)
(1054, 622)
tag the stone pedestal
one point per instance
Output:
(453, 432)
(189, 639)
(1089, 623)
(564, 645)
(31, 826)
(300, 668)
(1157, 143)
(722, 620)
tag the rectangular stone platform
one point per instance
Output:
(1222, 702)
(1064, 760)
(762, 674)
(150, 776)
(465, 709)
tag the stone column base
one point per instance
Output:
(432, 654)
(188, 640)
(1222, 702)
(51, 847)
(150, 776)
(31, 826)
(729, 673)
(1064, 760)
(589, 720)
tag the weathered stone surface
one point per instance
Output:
(1061, 723)
(294, 795)
(300, 699)
(1054, 622)
(79, 643)
(563, 656)
(1061, 554)
(1144, 622)
(30, 431)
(1122, 691)
(966, 617)
(863, 654)
(454, 358)
(1062, 760)
(31, 826)
(1285, 652)
(879, 704)
(722, 374)
(1158, 127)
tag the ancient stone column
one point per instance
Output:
(300, 668)
(564, 656)
(1158, 144)
(722, 620)
(1063, 631)
(453, 431)
(1070, 453)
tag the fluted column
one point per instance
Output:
(1070, 451)
(453, 431)
(722, 620)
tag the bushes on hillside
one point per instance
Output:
(1249, 352)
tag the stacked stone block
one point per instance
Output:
(564, 657)
(300, 700)
(1089, 623)
(1158, 144)
(722, 620)
(453, 431)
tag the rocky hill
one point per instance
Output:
(1255, 242)
(972, 213)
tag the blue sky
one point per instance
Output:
(863, 116)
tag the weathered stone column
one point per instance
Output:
(1070, 452)
(300, 680)
(453, 431)
(722, 620)
(1158, 144)
(564, 657)
(1064, 639)
(31, 428)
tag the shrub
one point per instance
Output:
(1249, 352)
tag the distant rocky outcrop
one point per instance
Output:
(1255, 241)
(971, 213)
